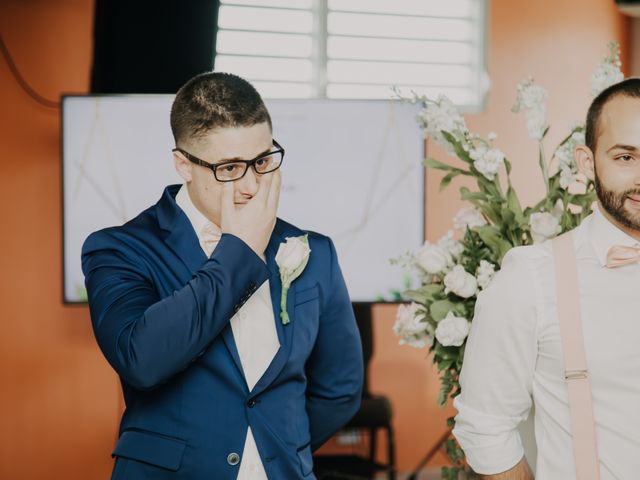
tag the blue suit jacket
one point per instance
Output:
(160, 311)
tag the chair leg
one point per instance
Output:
(372, 444)
(391, 453)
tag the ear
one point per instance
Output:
(183, 166)
(585, 161)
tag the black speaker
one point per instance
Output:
(147, 46)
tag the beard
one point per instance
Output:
(613, 204)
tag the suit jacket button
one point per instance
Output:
(233, 459)
(251, 403)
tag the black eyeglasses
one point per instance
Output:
(233, 170)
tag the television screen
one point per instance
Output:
(352, 170)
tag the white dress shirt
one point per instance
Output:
(514, 357)
(254, 331)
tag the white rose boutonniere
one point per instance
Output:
(292, 258)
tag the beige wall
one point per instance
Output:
(59, 404)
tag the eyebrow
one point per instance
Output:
(619, 146)
(235, 159)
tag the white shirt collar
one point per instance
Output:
(195, 216)
(603, 235)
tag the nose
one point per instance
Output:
(248, 185)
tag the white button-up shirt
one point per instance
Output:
(514, 358)
(255, 334)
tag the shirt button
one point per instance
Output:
(233, 459)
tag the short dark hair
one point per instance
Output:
(628, 88)
(215, 100)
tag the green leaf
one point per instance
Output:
(468, 195)
(457, 147)
(491, 236)
(446, 180)
(514, 205)
(433, 163)
(440, 308)
(420, 295)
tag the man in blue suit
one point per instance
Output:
(225, 373)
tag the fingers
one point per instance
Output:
(227, 207)
(274, 191)
(263, 188)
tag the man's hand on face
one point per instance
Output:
(254, 222)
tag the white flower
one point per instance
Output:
(485, 273)
(543, 226)
(450, 245)
(530, 96)
(468, 217)
(460, 282)
(292, 258)
(292, 253)
(566, 161)
(433, 258)
(492, 136)
(441, 115)
(536, 122)
(489, 163)
(452, 330)
(604, 76)
(410, 327)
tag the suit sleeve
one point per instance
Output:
(334, 369)
(148, 339)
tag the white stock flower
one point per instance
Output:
(543, 226)
(485, 273)
(530, 96)
(452, 330)
(410, 327)
(468, 217)
(536, 122)
(460, 282)
(432, 258)
(492, 136)
(567, 177)
(441, 115)
(451, 246)
(566, 161)
(489, 162)
(605, 75)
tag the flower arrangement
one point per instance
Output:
(457, 267)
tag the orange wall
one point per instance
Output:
(60, 400)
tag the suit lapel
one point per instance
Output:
(179, 233)
(182, 239)
(285, 332)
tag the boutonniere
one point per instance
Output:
(292, 258)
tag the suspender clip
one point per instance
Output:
(575, 374)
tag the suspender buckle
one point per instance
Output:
(575, 374)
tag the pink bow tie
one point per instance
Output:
(619, 255)
(209, 237)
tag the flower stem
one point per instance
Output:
(543, 166)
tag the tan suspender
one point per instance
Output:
(575, 361)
